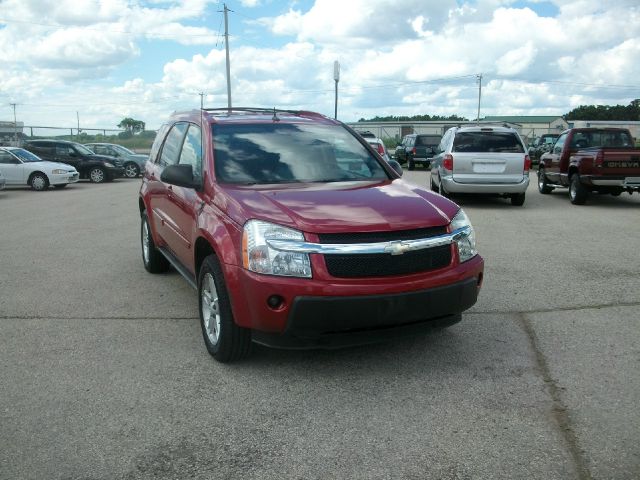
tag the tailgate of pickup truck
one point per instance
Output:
(622, 163)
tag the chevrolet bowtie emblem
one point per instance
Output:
(396, 248)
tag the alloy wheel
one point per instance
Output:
(210, 308)
(131, 171)
(145, 242)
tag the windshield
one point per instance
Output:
(290, 153)
(25, 155)
(123, 150)
(82, 149)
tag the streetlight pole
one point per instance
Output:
(479, 94)
(336, 77)
(226, 43)
(15, 126)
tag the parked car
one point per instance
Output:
(21, 167)
(417, 149)
(586, 160)
(296, 235)
(541, 145)
(133, 163)
(378, 146)
(482, 159)
(97, 168)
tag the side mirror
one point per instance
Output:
(396, 167)
(180, 175)
(557, 150)
(73, 154)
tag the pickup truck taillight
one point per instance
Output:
(380, 148)
(527, 163)
(447, 162)
(413, 151)
(599, 159)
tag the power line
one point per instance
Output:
(121, 32)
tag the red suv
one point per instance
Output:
(296, 234)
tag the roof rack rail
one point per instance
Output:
(251, 109)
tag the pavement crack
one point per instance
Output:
(559, 410)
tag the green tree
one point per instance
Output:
(606, 112)
(131, 125)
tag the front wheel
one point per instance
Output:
(97, 175)
(153, 260)
(543, 186)
(131, 170)
(39, 181)
(224, 340)
(577, 191)
(410, 165)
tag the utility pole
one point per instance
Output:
(479, 94)
(336, 77)
(78, 117)
(201, 100)
(226, 43)
(15, 126)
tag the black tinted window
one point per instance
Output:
(485, 142)
(284, 153)
(601, 138)
(427, 140)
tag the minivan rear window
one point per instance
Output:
(291, 153)
(487, 142)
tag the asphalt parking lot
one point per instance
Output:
(105, 375)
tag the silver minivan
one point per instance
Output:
(481, 159)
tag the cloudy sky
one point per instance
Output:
(110, 59)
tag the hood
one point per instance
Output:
(53, 165)
(340, 207)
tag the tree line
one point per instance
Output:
(629, 112)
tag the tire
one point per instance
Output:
(38, 181)
(543, 186)
(98, 175)
(153, 260)
(63, 185)
(433, 185)
(131, 170)
(410, 165)
(442, 191)
(577, 192)
(517, 199)
(225, 340)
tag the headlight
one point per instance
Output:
(58, 171)
(466, 243)
(258, 257)
(108, 164)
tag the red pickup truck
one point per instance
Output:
(586, 160)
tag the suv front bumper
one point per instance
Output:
(320, 313)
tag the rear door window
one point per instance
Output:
(487, 142)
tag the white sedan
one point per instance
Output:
(21, 167)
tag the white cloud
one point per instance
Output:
(396, 58)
